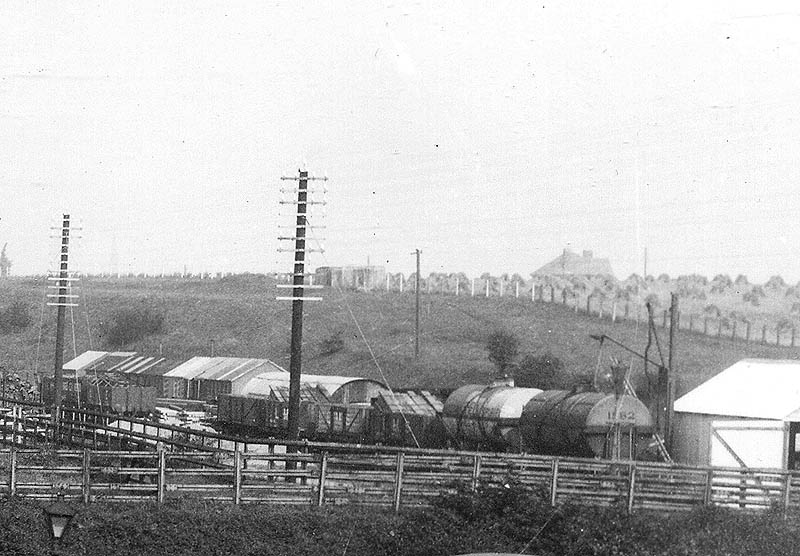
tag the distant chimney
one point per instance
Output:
(587, 254)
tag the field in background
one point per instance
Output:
(238, 316)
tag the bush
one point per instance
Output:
(133, 324)
(503, 348)
(14, 318)
(539, 371)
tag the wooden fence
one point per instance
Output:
(762, 332)
(132, 459)
(391, 481)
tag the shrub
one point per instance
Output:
(539, 371)
(775, 283)
(133, 324)
(14, 318)
(741, 280)
(503, 348)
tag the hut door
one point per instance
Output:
(793, 455)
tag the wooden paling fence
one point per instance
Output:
(393, 481)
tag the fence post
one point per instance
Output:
(237, 474)
(516, 289)
(631, 486)
(553, 481)
(552, 294)
(502, 283)
(162, 475)
(398, 481)
(476, 471)
(323, 472)
(12, 478)
(458, 283)
(472, 294)
(533, 292)
(487, 287)
(600, 310)
(787, 493)
(707, 494)
(614, 311)
(402, 279)
(86, 485)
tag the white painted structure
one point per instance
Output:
(746, 416)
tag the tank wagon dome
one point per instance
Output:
(585, 424)
(486, 415)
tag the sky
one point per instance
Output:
(489, 135)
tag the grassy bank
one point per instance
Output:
(502, 521)
(240, 315)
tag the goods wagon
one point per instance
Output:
(108, 393)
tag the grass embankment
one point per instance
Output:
(507, 521)
(241, 316)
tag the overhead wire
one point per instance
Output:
(338, 289)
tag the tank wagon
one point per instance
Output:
(586, 424)
(556, 422)
(486, 416)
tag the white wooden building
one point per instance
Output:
(746, 416)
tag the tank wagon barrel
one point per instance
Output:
(479, 415)
(586, 424)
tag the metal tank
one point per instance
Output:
(486, 416)
(586, 424)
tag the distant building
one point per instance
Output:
(572, 264)
(351, 277)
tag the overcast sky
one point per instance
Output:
(489, 135)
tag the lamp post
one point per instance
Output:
(59, 515)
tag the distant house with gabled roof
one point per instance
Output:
(572, 264)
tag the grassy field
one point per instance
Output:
(240, 316)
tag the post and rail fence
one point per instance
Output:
(121, 462)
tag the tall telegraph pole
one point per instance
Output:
(63, 299)
(297, 286)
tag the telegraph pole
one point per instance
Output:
(298, 286)
(670, 393)
(417, 252)
(63, 300)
